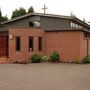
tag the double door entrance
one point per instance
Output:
(3, 45)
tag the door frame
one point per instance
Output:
(4, 33)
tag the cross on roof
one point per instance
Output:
(44, 8)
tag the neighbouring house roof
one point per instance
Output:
(4, 29)
(72, 18)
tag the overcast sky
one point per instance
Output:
(81, 8)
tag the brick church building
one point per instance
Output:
(38, 33)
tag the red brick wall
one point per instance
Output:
(71, 45)
(66, 43)
(24, 33)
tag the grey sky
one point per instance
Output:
(63, 7)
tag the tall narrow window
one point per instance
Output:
(39, 43)
(30, 43)
(18, 48)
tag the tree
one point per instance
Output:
(0, 13)
(17, 13)
(21, 11)
(0, 16)
(3, 18)
(14, 13)
(30, 10)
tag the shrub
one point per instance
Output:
(86, 59)
(35, 58)
(77, 61)
(54, 57)
(45, 58)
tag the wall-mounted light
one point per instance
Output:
(11, 37)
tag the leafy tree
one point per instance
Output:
(14, 13)
(17, 13)
(22, 11)
(3, 18)
(30, 10)
(0, 16)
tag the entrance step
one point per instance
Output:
(4, 60)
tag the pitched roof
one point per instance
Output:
(37, 14)
(72, 18)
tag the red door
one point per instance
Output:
(3, 46)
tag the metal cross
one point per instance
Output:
(44, 8)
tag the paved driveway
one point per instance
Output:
(45, 76)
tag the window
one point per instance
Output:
(31, 24)
(74, 25)
(34, 24)
(18, 48)
(39, 43)
(86, 35)
(30, 43)
(37, 24)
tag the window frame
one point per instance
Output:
(86, 35)
(17, 47)
(31, 47)
(40, 43)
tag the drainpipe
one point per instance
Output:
(87, 46)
